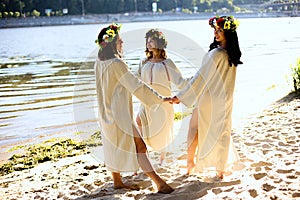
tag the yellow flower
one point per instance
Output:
(236, 22)
(111, 33)
(227, 25)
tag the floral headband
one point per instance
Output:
(224, 22)
(111, 32)
(158, 35)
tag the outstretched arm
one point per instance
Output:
(136, 86)
(197, 84)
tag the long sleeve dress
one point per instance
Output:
(213, 87)
(157, 126)
(115, 85)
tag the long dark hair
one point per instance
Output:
(110, 50)
(232, 47)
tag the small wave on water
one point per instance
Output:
(38, 93)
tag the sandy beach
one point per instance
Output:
(268, 146)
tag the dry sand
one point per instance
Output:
(268, 146)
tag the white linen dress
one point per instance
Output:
(115, 85)
(157, 126)
(213, 87)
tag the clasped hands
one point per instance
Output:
(172, 100)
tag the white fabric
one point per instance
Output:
(157, 126)
(213, 87)
(114, 85)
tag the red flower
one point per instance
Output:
(210, 21)
(220, 20)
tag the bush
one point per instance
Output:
(296, 75)
(186, 10)
(35, 13)
(58, 13)
(17, 14)
(5, 14)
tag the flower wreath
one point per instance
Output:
(155, 33)
(111, 32)
(224, 22)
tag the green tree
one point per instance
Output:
(17, 14)
(167, 5)
(35, 13)
(129, 5)
(188, 4)
(203, 5)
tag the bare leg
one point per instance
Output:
(192, 141)
(146, 166)
(162, 157)
(220, 174)
(139, 123)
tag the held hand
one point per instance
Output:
(168, 99)
(175, 100)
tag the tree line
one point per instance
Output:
(17, 8)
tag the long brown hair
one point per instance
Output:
(160, 40)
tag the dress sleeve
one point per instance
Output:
(189, 94)
(141, 64)
(135, 86)
(175, 75)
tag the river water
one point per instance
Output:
(47, 83)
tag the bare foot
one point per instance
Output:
(220, 175)
(165, 189)
(134, 174)
(190, 166)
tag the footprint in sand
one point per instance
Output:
(144, 184)
(88, 187)
(285, 171)
(217, 190)
(91, 167)
(297, 194)
(259, 175)
(73, 187)
(267, 187)
(261, 164)
(292, 177)
(98, 183)
(253, 193)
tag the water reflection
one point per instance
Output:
(31, 92)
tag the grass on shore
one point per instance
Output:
(50, 150)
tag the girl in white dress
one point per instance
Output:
(213, 87)
(124, 148)
(159, 72)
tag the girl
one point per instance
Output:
(124, 149)
(213, 87)
(159, 72)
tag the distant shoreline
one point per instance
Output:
(122, 18)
